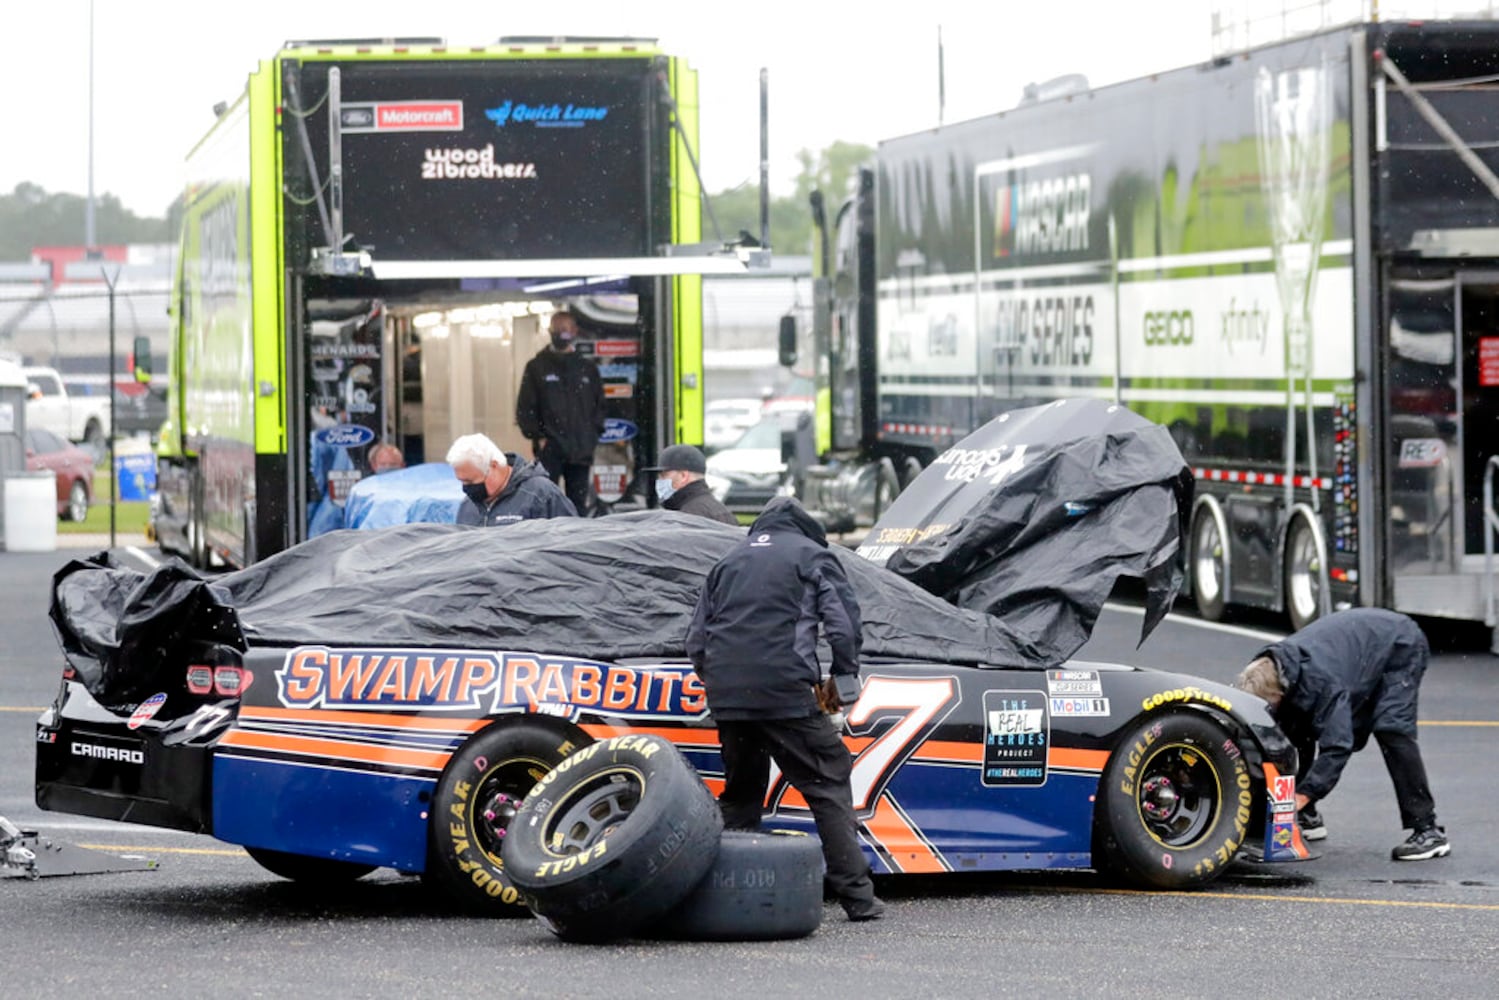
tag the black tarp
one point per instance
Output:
(1035, 516)
(605, 588)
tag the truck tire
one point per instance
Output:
(308, 870)
(1302, 574)
(93, 439)
(613, 838)
(474, 806)
(1174, 803)
(764, 886)
(1209, 554)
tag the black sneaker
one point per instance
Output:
(1423, 844)
(870, 909)
(1312, 827)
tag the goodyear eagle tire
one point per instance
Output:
(764, 886)
(475, 803)
(308, 870)
(613, 838)
(1174, 803)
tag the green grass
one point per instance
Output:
(130, 515)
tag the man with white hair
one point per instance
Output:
(502, 487)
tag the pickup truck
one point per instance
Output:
(78, 418)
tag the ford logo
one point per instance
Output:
(617, 430)
(344, 436)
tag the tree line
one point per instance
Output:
(31, 216)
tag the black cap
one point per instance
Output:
(679, 458)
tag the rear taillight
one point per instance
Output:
(228, 681)
(199, 679)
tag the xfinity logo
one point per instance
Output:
(545, 115)
(98, 752)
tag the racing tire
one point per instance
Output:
(613, 838)
(1174, 803)
(1302, 579)
(308, 870)
(77, 501)
(473, 808)
(763, 886)
(1209, 566)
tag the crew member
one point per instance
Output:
(385, 457)
(560, 408)
(500, 487)
(680, 486)
(753, 640)
(1331, 685)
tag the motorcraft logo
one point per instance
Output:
(468, 163)
(401, 116)
(484, 682)
(1047, 216)
(545, 115)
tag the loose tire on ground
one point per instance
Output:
(473, 807)
(613, 838)
(764, 886)
(1174, 803)
(307, 870)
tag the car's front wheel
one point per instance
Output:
(77, 501)
(1174, 804)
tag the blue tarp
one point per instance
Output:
(422, 494)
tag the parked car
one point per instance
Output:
(725, 420)
(73, 466)
(52, 407)
(757, 466)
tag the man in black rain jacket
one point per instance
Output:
(502, 488)
(1332, 685)
(560, 408)
(753, 640)
(680, 485)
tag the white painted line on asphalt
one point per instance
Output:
(144, 556)
(1251, 633)
(46, 825)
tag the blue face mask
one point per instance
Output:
(664, 489)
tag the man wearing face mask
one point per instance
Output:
(502, 488)
(680, 486)
(560, 407)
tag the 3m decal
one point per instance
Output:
(492, 682)
(1017, 732)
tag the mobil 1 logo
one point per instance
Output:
(1017, 732)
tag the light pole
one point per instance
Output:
(88, 214)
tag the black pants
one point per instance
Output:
(575, 477)
(815, 761)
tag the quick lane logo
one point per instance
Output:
(1043, 217)
(462, 680)
(545, 115)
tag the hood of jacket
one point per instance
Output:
(520, 471)
(785, 514)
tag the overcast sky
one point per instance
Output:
(858, 72)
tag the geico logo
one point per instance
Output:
(97, 752)
(1174, 327)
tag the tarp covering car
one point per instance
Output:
(609, 588)
(1035, 516)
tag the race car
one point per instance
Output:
(389, 698)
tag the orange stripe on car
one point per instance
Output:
(352, 718)
(900, 842)
(335, 749)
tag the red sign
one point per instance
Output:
(402, 116)
(1488, 361)
(1283, 791)
(622, 390)
(616, 348)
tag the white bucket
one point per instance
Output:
(31, 512)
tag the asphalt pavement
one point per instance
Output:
(1351, 923)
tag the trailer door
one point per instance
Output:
(1478, 381)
